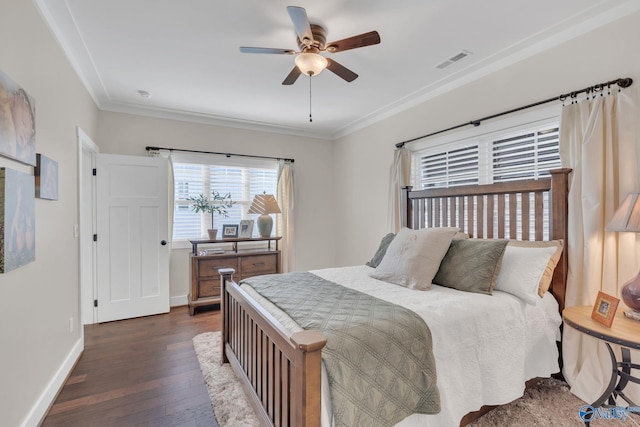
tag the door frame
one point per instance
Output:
(86, 228)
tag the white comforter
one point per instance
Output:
(485, 347)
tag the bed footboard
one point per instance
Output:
(281, 374)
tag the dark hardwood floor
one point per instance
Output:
(139, 372)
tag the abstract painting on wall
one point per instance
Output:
(46, 178)
(17, 122)
(17, 219)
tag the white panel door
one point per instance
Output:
(132, 233)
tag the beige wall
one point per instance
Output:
(315, 219)
(362, 159)
(37, 300)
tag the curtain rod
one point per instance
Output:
(148, 148)
(626, 82)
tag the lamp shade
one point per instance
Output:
(264, 204)
(627, 217)
(311, 64)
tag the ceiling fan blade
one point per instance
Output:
(361, 40)
(292, 77)
(340, 70)
(300, 22)
(245, 49)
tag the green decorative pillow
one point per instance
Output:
(471, 265)
(382, 249)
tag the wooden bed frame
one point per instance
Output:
(281, 374)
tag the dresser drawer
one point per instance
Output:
(209, 267)
(258, 264)
(209, 288)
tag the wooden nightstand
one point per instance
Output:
(205, 279)
(624, 332)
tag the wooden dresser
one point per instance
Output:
(205, 279)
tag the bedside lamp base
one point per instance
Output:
(265, 225)
(632, 314)
(631, 297)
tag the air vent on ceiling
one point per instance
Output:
(455, 58)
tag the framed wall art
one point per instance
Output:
(17, 219)
(46, 178)
(17, 122)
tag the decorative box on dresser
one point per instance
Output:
(205, 279)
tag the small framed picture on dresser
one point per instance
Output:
(604, 310)
(230, 231)
(246, 229)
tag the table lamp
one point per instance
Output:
(627, 218)
(264, 204)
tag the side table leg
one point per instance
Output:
(612, 384)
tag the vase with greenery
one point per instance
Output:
(216, 204)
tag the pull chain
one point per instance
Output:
(310, 117)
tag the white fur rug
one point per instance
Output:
(230, 404)
(549, 403)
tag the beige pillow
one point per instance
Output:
(413, 257)
(547, 276)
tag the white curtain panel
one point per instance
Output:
(400, 176)
(598, 140)
(172, 196)
(166, 154)
(286, 220)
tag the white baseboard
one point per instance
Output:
(48, 396)
(178, 301)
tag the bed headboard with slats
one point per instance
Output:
(521, 210)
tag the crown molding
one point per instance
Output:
(84, 66)
(195, 117)
(496, 62)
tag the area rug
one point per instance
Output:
(548, 404)
(230, 404)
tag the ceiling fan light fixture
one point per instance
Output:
(311, 64)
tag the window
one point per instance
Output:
(242, 178)
(519, 148)
(497, 157)
(450, 168)
(526, 155)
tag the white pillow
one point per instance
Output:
(521, 271)
(414, 256)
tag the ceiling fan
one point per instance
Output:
(311, 41)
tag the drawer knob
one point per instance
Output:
(255, 264)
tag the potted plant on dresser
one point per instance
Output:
(216, 204)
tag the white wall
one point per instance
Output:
(315, 221)
(37, 300)
(362, 159)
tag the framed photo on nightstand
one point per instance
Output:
(604, 310)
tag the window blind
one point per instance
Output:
(450, 168)
(527, 155)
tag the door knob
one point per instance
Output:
(163, 242)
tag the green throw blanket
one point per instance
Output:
(378, 355)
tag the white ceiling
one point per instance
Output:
(185, 53)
